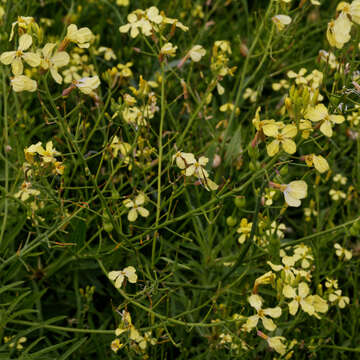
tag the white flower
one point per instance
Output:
(136, 208)
(119, 276)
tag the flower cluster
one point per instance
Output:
(192, 167)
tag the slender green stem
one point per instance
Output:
(5, 145)
(62, 328)
(160, 158)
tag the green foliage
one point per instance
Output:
(205, 230)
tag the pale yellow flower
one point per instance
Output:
(250, 94)
(329, 58)
(256, 302)
(283, 138)
(268, 196)
(183, 159)
(119, 276)
(331, 283)
(337, 194)
(294, 192)
(124, 148)
(132, 25)
(267, 278)
(136, 208)
(287, 267)
(299, 299)
(153, 14)
(353, 10)
(229, 107)
(196, 168)
(26, 191)
(53, 62)
(87, 84)
(299, 77)
(125, 70)
(320, 113)
(339, 178)
(281, 21)
(303, 253)
(320, 163)
(319, 304)
(81, 37)
(342, 253)
(108, 53)
(23, 83)
(277, 343)
(17, 344)
(244, 230)
(168, 49)
(177, 23)
(282, 84)
(48, 154)
(268, 127)
(196, 53)
(15, 57)
(337, 297)
(338, 31)
(116, 345)
(276, 230)
(31, 151)
(23, 22)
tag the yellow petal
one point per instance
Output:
(252, 321)
(289, 146)
(48, 49)
(17, 66)
(276, 343)
(326, 128)
(303, 290)
(289, 131)
(317, 113)
(60, 59)
(132, 215)
(273, 312)
(143, 212)
(7, 57)
(268, 324)
(55, 75)
(140, 199)
(307, 307)
(321, 165)
(293, 307)
(341, 30)
(273, 148)
(274, 266)
(25, 42)
(210, 185)
(289, 292)
(270, 129)
(255, 301)
(113, 275)
(23, 83)
(119, 280)
(130, 272)
(337, 119)
(32, 59)
(291, 201)
(190, 170)
(128, 203)
(297, 189)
